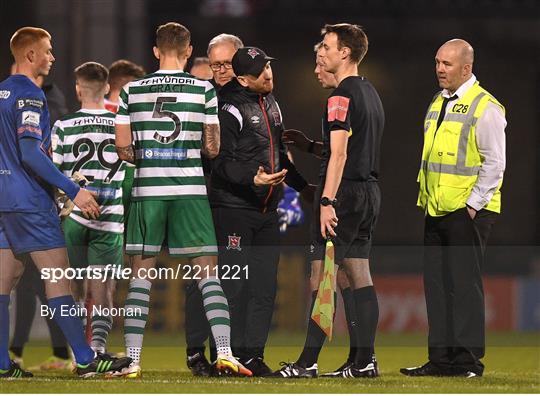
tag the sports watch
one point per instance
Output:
(325, 201)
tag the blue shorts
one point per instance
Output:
(4, 244)
(25, 232)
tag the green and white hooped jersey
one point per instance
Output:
(84, 142)
(166, 111)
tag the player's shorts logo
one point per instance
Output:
(234, 243)
(255, 119)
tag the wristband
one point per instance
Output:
(325, 201)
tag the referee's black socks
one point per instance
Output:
(352, 322)
(367, 314)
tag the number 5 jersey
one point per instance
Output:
(167, 111)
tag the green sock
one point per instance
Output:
(101, 326)
(216, 308)
(138, 298)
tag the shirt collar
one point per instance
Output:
(462, 89)
(94, 111)
(161, 71)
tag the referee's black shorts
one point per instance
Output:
(357, 211)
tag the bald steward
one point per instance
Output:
(454, 64)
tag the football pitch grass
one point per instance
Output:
(512, 366)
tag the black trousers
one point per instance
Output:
(454, 247)
(248, 238)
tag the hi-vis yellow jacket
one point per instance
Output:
(450, 157)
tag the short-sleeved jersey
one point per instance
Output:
(23, 114)
(84, 142)
(166, 111)
(355, 106)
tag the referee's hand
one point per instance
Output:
(86, 202)
(329, 221)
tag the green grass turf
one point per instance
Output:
(512, 366)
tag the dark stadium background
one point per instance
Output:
(404, 36)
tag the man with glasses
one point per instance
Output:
(221, 50)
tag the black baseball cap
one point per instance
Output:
(249, 60)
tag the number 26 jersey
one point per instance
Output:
(84, 142)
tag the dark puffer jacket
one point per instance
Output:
(251, 128)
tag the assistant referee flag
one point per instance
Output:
(324, 307)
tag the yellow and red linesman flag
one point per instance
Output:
(324, 307)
